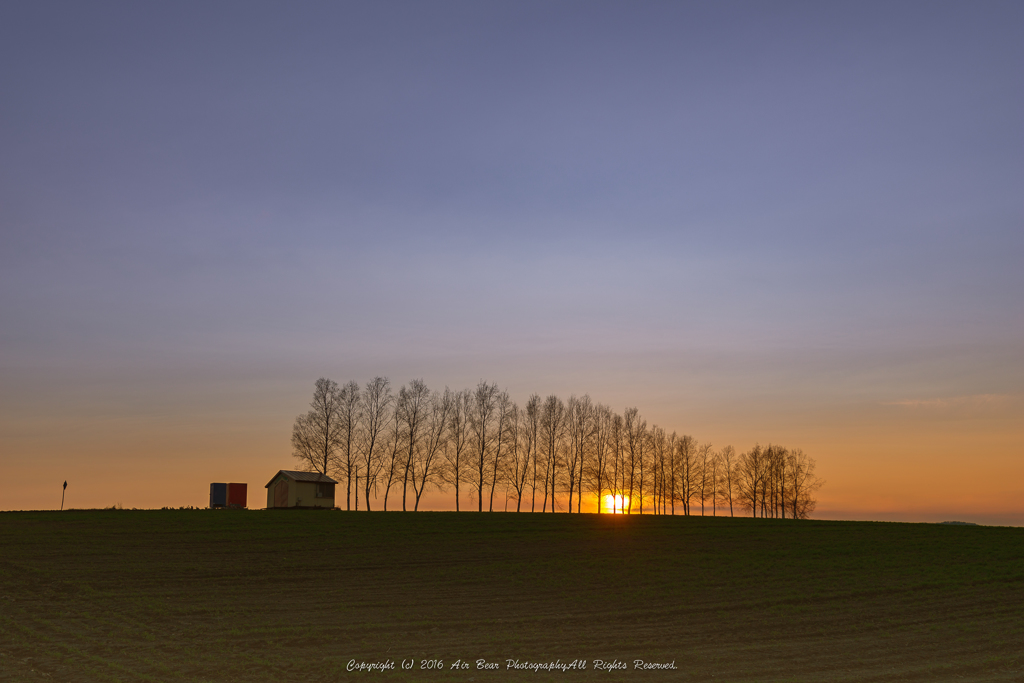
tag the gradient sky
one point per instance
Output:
(788, 222)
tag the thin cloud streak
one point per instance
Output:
(975, 402)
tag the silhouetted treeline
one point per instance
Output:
(546, 455)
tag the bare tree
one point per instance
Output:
(350, 409)
(777, 458)
(803, 483)
(617, 434)
(728, 457)
(635, 431)
(531, 440)
(750, 475)
(411, 410)
(686, 455)
(435, 431)
(715, 466)
(671, 474)
(481, 422)
(377, 403)
(659, 455)
(600, 453)
(393, 452)
(318, 436)
(552, 430)
(503, 414)
(703, 478)
(517, 465)
(587, 444)
(643, 458)
(480, 437)
(579, 425)
(456, 451)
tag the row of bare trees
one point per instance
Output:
(545, 455)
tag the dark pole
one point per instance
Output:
(62, 496)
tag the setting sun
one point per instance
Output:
(615, 504)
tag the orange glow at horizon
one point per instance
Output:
(170, 457)
(615, 505)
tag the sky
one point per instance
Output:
(786, 222)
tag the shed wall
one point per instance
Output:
(305, 495)
(273, 485)
(300, 493)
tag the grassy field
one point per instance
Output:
(196, 595)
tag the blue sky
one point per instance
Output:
(689, 207)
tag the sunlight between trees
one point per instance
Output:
(547, 455)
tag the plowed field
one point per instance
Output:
(197, 595)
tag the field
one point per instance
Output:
(197, 595)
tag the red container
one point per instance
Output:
(236, 495)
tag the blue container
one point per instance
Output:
(218, 495)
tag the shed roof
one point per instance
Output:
(302, 476)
